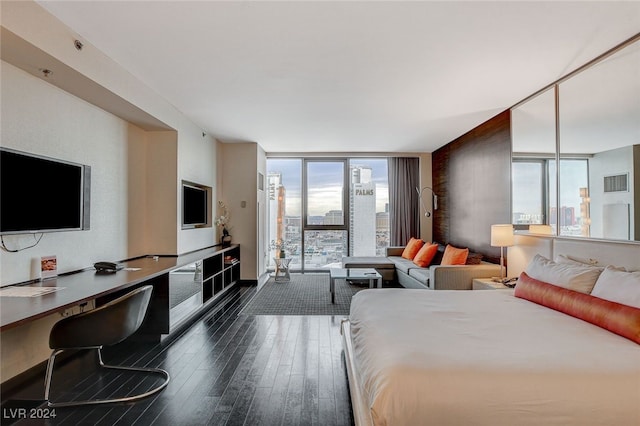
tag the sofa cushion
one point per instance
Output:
(437, 259)
(376, 262)
(425, 255)
(413, 246)
(454, 255)
(402, 264)
(420, 274)
(474, 258)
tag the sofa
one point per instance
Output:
(394, 267)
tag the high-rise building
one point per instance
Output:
(362, 212)
(333, 217)
(277, 206)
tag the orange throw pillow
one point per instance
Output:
(617, 318)
(454, 256)
(413, 247)
(425, 255)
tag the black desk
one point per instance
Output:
(81, 287)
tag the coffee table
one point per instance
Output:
(369, 274)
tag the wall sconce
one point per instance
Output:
(501, 236)
(434, 200)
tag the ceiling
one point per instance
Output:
(319, 76)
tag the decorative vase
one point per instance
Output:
(282, 254)
(225, 240)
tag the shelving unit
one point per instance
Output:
(219, 271)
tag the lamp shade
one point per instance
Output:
(501, 235)
(540, 229)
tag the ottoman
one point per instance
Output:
(384, 266)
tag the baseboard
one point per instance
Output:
(262, 280)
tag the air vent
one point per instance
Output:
(617, 183)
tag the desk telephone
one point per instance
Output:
(108, 266)
(507, 282)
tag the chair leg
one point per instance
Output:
(49, 374)
(109, 400)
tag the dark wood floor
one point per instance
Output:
(226, 369)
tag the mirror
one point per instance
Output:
(598, 178)
(533, 159)
(185, 292)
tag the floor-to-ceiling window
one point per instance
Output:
(284, 204)
(322, 209)
(325, 224)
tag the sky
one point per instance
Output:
(325, 180)
(573, 177)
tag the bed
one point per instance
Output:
(417, 357)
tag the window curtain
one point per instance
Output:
(404, 212)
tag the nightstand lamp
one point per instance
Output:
(501, 236)
(540, 229)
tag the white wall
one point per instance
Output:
(613, 162)
(262, 249)
(161, 186)
(35, 25)
(197, 158)
(42, 119)
(136, 173)
(238, 182)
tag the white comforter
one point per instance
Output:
(488, 358)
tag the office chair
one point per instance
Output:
(107, 325)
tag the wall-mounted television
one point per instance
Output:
(195, 205)
(41, 194)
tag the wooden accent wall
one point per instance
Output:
(472, 177)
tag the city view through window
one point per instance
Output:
(534, 187)
(344, 204)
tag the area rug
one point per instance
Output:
(304, 294)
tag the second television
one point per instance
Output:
(195, 205)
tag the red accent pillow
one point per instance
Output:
(617, 318)
(413, 246)
(454, 256)
(426, 254)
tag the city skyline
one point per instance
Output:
(367, 232)
(527, 182)
(320, 199)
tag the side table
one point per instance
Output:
(487, 284)
(282, 268)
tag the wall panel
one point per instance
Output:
(472, 177)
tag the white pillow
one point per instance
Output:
(617, 285)
(580, 278)
(565, 258)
